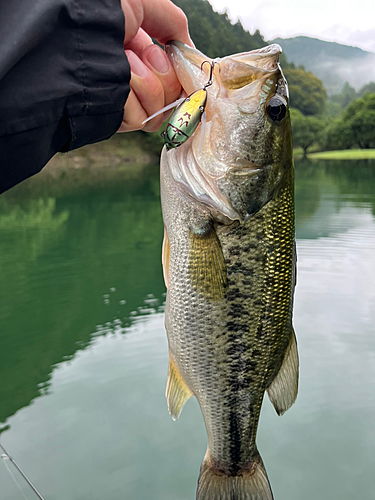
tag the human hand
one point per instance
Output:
(153, 81)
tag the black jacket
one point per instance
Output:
(64, 80)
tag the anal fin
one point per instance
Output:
(177, 392)
(284, 387)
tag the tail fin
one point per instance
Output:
(250, 484)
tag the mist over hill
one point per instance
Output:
(332, 62)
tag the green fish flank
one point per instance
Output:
(228, 210)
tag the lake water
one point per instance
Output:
(83, 352)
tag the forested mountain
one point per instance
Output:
(332, 62)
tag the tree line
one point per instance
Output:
(354, 127)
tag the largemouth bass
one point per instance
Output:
(229, 263)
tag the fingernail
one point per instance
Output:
(136, 65)
(158, 59)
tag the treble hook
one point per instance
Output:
(212, 64)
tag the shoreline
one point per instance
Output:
(340, 154)
(124, 158)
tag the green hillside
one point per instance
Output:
(301, 46)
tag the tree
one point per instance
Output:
(337, 135)
(356, 126)
(369, 87)
(332, 109)
(305, 129)
(307, 93)
(360, 115)
(348, 95)
(345, 97)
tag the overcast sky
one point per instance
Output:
(351, 22)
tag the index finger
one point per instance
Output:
(161, 19)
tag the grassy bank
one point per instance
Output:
(345, 154)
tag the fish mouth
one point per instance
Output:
(231, 73)
(225, 150)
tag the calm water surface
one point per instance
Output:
(83, 353)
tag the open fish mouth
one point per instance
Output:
(231, 73)
(237, 142)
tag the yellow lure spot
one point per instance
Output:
(196, 100)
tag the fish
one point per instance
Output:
(229, 263)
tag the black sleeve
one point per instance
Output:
(64, 80)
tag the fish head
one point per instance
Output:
(246, 146)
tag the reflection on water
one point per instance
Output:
(83, 352)
(59, 261)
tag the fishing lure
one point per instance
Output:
(187, 115)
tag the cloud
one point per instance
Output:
(363, 38)
(358, 73)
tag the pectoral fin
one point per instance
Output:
(177, 392)
(165, 258)
(284, 388)
(207, 268)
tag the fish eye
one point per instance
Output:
(276, 108)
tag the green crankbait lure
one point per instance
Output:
(187, 115)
